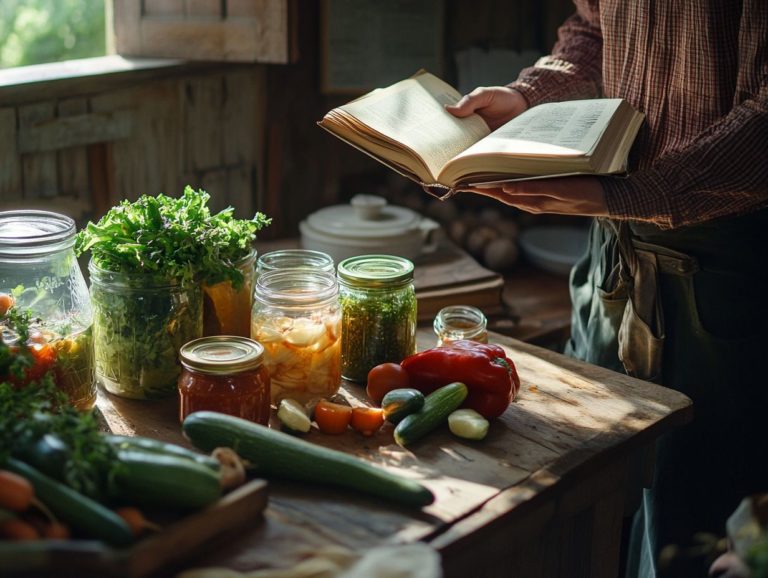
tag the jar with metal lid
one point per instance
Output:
(224, 373)
(378, 312)
(296, 317)
(227, 307)
(38, 269)
(457, 322)
(295, 259)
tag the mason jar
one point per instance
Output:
(296, 318)
(227, 307)
(295, 259)
(140, 323)
(458, 322)
(39, 270)
(224, 373)
(378, 313)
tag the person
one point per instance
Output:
(673, 287)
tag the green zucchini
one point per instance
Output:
(399, 403)
(438, 405)
(151, 479)
(78, 511)
(158, 447)
(281, 455)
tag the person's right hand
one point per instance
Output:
(496, 105)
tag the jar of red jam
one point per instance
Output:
(224, 373)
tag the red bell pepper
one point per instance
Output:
(486, 370)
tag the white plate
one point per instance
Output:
(554, 249)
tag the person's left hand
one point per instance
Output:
(562, 196)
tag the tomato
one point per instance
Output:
(383, 379)
(367, 420)
(6, 302)
(332, 418)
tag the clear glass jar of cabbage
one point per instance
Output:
(140, 323)
(38, 269)
(296, 318)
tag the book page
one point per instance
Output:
(411, 112)
(559, 129)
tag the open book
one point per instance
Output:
(406, 127)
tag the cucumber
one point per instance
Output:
(399, 403)
(438, 405)
(156, 446)
(281, 455)
(78, 511)
(151, 479)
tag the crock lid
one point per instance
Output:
(367, 216)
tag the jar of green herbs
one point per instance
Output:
(378, 313)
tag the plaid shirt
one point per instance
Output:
(699, 72)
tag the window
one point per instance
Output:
(41, 31)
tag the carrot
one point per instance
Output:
(6, 302)
(332, 418)
(136, 520)
(16, 493)
(18, 530)
(367, 420)
(56, 531)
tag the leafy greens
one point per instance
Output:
(177, 238)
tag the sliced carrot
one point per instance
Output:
(16, 493)
(332, 418)
(18, 531)
(367, 420)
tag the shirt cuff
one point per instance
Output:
(640, 197)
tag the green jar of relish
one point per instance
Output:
(378, 313)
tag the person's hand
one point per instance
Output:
(561, 196)
(496, 105)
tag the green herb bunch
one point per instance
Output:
(176, 238)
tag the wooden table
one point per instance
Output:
(543, 495)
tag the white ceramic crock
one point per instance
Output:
(368, 225)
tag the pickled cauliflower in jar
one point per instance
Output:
(302, 354)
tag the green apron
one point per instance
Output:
(707, 330)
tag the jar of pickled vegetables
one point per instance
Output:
(378, 312)
(457, 322)
(296, 318)
(224, 373)
(227, 306)
(40, 274)
(295, 259)
(140, 323)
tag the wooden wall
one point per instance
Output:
(245, 133)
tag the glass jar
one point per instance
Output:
(458, 322)
(295, 259)
(39, 270)
(226, 310)
(140, 323)
(224, 373)
(296, 318)
(378, 312)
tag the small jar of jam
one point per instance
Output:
(458, 322)
(224, 373)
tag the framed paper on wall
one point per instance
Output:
(368, 44)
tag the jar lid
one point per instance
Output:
(376, 271)
(366, 217)
(26, 231)
(221, 354)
